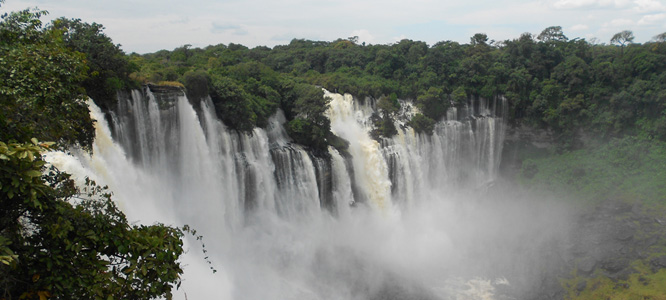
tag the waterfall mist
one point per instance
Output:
(412, 217)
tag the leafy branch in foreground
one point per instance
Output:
(57, 241)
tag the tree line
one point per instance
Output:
(550, 81)
(60, 241)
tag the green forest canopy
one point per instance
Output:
(550, 81)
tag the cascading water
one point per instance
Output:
(385, 220)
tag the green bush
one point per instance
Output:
(422, 124)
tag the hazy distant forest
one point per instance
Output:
(604, 104)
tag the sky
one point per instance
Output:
(145, 26)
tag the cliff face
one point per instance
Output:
(521, 142)
(165, 95)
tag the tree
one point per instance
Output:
(310, 126)
(40, 94)
(622, 38)
(660, 38)
(552, 34)
(232, 103)
(422, 124)
(459, 96)
(433, 103)
(108, 67)
(389, 106)
(479, 39)
(57, 241)
(85, 251)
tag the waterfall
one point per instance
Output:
(283, 223)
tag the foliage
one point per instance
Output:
(76, 245)
(627, 168)
(622, 38)
(306, 133)
(433, 103)
(644, 284)
(389, 106)
(550, 81)
(233, 104)
(310, 127)
(422, 124)
(56, 241)
(660, 37)
(108, 66)
(40, 94)
(196, 84)
(171, 84)
(552, 34)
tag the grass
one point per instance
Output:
(628, 169)
(171, 84)
(644, 284)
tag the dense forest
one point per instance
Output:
(571, 88)
(58, 240)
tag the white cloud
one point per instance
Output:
(364, 36)
(399, 38)
(564, 4)
(579, 27)
(228, 28)
(150, 25)
(651, 19)
(648, 6)
(619, 22)
(572, 4)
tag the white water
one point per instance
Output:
(402, 219)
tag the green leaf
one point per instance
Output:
(33, 173)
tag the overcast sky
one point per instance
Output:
(151, 25)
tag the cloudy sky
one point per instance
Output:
(149, 25)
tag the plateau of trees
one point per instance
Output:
(549, 80)
(63, 242)
(58, 241)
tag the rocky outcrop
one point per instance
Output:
(520, 142)
(606, 242)
(166, 95)
(614, 235)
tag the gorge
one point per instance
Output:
(529, 168)
(415, 216)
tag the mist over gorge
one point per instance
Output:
(412, 217)
(529, 168)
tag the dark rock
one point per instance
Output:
(624, 233)
(622, 274)
(658, 263)
(614, 264)
(618, 207)
(165, 89)
(586, 266)
(581, 285)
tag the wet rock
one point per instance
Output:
(614, 264)
(623, 274)
(586, 266)
(658, 263)
(617, 207)
(624, 233)
(581, 285)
